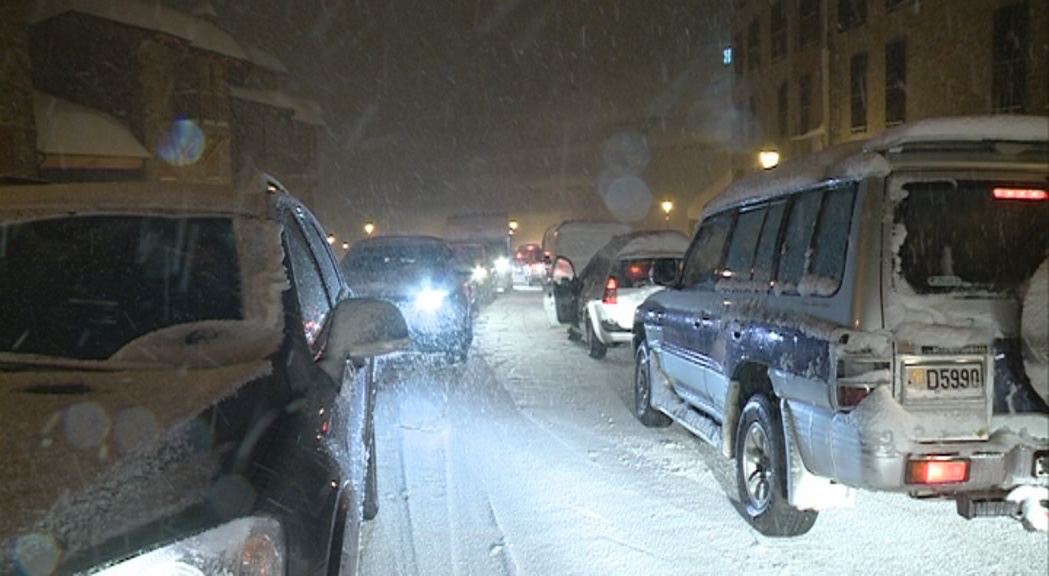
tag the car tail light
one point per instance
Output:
(611, 291)
(850, 396)
(1020, 194)
(937, 470)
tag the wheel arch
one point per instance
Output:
(749, 378)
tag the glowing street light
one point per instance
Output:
(345, 245)
(331, 238)
(768, 159)
(513, 227)
(667, 206)
(369, 228)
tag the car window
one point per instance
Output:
(326, 264)
(764, 259)
(831, 242)
(314, 302)
(794, 254)
(745, 236)
(89, 285)
(706, 252)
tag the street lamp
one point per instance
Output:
(369, 228)
(768, 159)
(513, 227)
(331, 238)
(345, 245)
(667, 206)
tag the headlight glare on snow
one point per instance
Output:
(502, 265)
(479, 274)
(252, 546)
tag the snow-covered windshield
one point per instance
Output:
(966, 236)
(396, 257)
(86, 286)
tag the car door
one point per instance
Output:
(557, 295)
(690, 312)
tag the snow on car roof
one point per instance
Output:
(400, 240)
(862, 158)
(25, 201)
(651, 244)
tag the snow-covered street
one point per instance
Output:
(527, 460)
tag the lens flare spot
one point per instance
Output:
(182, 144)
(86, 425)
(36, 554)
(231, 496)
(134, 428)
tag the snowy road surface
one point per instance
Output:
(527, 460)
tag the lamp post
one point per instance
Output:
(513, 227)
(369, 228)
(768, 159)
(331, 239)
(667, 206)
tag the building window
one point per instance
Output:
(808, 23)
(851, 13)
(805, 104)
(754, 44)
(858, 92)
(737, 55)
(1009, 79)
(778, 28)
(896, 82)
(782, 111)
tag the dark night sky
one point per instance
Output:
(493, 104)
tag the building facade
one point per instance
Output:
(812, 73)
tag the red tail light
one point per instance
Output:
(937, 471)
(1020, 194)
(611, 291)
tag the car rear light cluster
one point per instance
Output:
(857, 377)
(611, 295)
(1020, 194)
(937, 470)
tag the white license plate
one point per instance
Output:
(950, 380)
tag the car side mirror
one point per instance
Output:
(362, 328)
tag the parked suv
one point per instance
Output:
(852, 320)
(186, 383)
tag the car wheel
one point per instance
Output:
(649, 416)
(594, 348)
(371, 480)
(761, 469)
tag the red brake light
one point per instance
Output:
(937, 471)
(1020, 194)
(850, 396)
(611, 291)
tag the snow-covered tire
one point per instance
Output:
(646, 414)
(594, 347)
(761, 472)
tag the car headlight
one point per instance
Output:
(246, 546)
(479, 274)
(502, 265)
(430, 299)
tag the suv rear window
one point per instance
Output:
(957, 237)
(637, 273)
(92, 284)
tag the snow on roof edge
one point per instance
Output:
(63, 127)
(305, 111)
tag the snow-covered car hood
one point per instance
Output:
(114, 449)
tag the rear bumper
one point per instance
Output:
(873, 454)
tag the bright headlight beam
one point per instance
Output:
(430, 300)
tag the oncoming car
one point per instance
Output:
(861, 318)
(421, 276)
(617, 279)
(187, 365)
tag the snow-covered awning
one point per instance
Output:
(199, 32)
(65, 128)
(305, 111)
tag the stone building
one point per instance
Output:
(176, 82)
(17, 131)
(812, 73)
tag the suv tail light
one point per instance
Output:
(937, 470)
(611, 291)
(857, 377)
(1020, 194)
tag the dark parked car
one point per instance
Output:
(853, 320)
(185, 386)
(421, 276)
